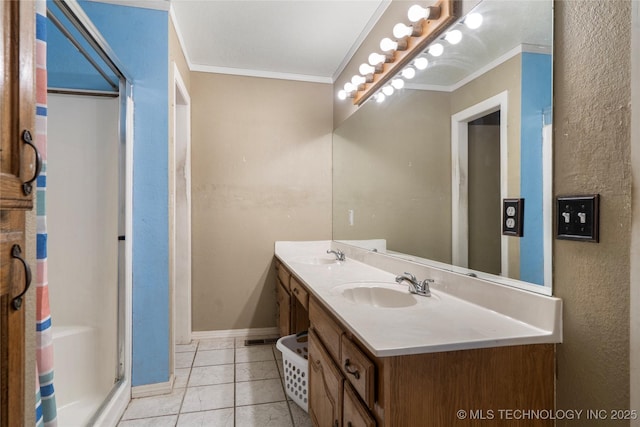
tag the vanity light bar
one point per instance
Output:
(424, 32)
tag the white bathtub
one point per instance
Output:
(76, 374)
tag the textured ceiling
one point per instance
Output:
(306, 39)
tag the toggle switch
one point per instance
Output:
(578, 218)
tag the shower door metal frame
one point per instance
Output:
(122, 372)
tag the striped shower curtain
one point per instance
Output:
(45, 396)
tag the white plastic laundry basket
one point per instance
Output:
(295, 359)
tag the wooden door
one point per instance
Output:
(325, 386)
(18, 169)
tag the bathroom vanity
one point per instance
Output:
(379, 356)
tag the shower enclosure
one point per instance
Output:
(88, 210)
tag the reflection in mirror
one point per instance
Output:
(425, 173)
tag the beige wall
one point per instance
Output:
(592, 155)
(261, 172)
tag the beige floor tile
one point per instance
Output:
(165, 404)
(215, 418)
(168, 421)
(300, 417)
(208, 397)
(254, 354)
(265, 415)
(184, 360)
(214, 357)
(217, 344)
(181, 376)
(255, 392)
(182, 348)
(256, 371)
(208, 375)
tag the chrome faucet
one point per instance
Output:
(415, 286)
(338, 253)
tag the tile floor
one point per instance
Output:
(221, 383)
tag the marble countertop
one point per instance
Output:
(456, 317)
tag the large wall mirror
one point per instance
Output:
(424, 174)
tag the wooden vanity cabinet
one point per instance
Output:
(424, 390)
(293, 301)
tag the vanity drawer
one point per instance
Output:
(354, 412)
(299, 292)
(358, 369)
(326, 328)
(283, 275)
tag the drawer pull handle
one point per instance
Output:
(349, 424)
(295, 291)
(336, 424)
(16, 252)
(350, 370)
(27, 188)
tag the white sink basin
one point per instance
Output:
(315, 260)
(377, 294)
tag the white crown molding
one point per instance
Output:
(260, 73)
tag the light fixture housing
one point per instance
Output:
(387, 45)
(441, 16)
(417, 13)
(401, 30)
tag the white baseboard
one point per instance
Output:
(154, 389)
(234, 333)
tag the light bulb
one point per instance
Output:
(386, 44)
(421, 63)
(349, 87)
(366, 69)
(436, 49)
(397, 83)
(388, 90)
(375, 59)
(358, 80)
(380, 97)
(409, 73)
(417, 12)
(473, 20)
(401, 30)
(453, 36)
(342, 95)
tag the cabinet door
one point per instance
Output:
(325, 386)
(17, 105)
(17, 173)
(284, 311)
(355, 414)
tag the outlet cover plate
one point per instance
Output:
(578, 218)
(512, 217)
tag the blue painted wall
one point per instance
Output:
(139, 38)
(536, 97)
